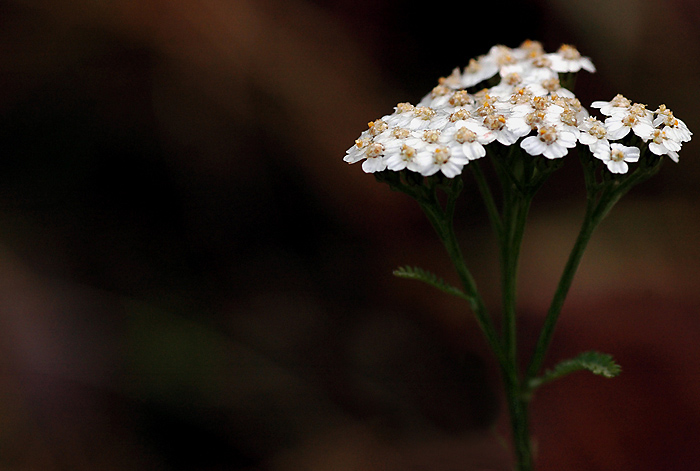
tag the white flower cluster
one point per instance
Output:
(451, 126)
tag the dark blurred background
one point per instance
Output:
(192, 279)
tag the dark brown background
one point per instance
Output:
(192, 279)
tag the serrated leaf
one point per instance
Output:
(597, 363)
(415, 273)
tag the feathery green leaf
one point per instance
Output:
(415, 273)
(595, 362)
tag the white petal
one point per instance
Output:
(670, 144)
(567, 139)
(617, 167)
(506, 137)
(451, 169)
(376, 164)
(600, 146)
(587, 139)
(631, 154)
(533, 145)
(587, 65)
(618, 132)
(396, 162)
(643, 129)
(473, 151)
(555, 151)
(428, 170)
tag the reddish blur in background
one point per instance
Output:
(192, 279)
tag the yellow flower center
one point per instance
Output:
(617, 155)
(465, 135)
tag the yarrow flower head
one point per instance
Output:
(514, 96)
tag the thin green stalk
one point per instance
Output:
(602, 196)
(487, 196)
(442, 222)
(519, 183)
(511, 242)
(591, 220)
(520, 425)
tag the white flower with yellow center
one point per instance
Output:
(617, 157)
(371, 152)
(439, 158)
(636, 119)
(661, 144)
(486, 66)
(359, 149)
(674, 127)
(467, 138)
(566, 120)
(400, 148)
(608, 108)
(551, 86)
(551, 142)
(496, 123)
(438, 97)
(594, 134)
(405, 156)
(528, 116)
(568, 59)
(529, 49)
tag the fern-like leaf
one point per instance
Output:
(415, 273)
(597, 363)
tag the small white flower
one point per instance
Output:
(674, 127)
(467, 138)
(496, 123)
(403, 114)
(523, 124)
(594, 134)
(549, 86)
(528, 116)
(405, 156)
(453, 81)
(565, 120)
(374, 159)
(370, 148)
(551, 142)
(529, 49)
(484, 67)
(661, 144)
(358, 150)
(437, 98)
(636, 118)
(416, 117)
(608, 108)
(568, 59)
(422, 117)
(439, 158)
(371, 152)
(617, 156)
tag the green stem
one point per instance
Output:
(515, 217)
(519, 182)
(487, 196)
(602, 196)
(595, 213)
(565, 281)
(441, 220)
(519, 421)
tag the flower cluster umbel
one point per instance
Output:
(528, 103)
